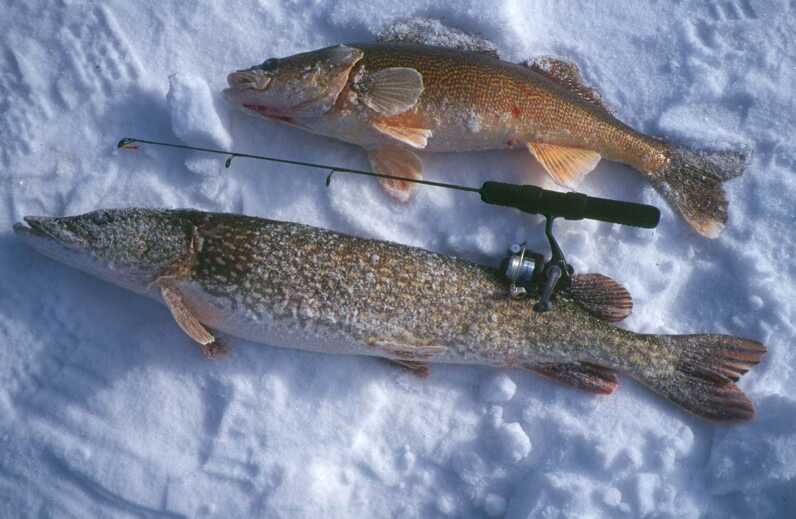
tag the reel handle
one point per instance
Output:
(572, 206)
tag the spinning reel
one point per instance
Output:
(531, 276)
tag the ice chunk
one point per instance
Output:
(513, 441)
(499, 388)
(194, 118)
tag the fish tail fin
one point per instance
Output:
(692, 181)
(704, 375)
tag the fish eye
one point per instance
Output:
(269, 65)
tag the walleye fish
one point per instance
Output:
(393, 98)
(296, 286)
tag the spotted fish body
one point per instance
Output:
(295, 286)
(393, 99)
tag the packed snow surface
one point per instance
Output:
(108, 410)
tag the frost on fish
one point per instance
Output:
(429, 31)
(297, 286)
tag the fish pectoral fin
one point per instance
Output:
(398, 163)
(567, 166)
(601, 296)
(188, 322)
(419, 369)
(567, 75)
(391, 91)
(414, 137)
(580, 375)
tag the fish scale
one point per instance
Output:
(506, 97)
(296, 286)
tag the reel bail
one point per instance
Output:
(529, 273)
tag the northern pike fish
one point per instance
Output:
(393, 98)
(291, 285)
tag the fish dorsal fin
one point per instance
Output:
(414, 137)
(391, 91)
(429, 31)
(566, 74)
(567, 166)
(601, 296)
(580, 375)
(397, 163)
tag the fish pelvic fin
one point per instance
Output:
(414, 137)
(703, 379)
(567, 166)
(396, 162)
(692, 181)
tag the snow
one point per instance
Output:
(499, 388)
(108, 410)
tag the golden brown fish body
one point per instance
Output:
(474, 101)
(395, 98)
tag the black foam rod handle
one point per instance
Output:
(573, 206)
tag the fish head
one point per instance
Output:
(296, 89)
(128, 247)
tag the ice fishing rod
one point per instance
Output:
(527, 271)
(530, 199)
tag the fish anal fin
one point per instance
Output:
(419, 369)
(567, 75)
(398, 163)
(580, 375)
(601, 296)
(567, 166)
(414, 137)
(390, 91)
(188, 322)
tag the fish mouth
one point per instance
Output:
(50, 229)
(247, 98)
(270, 113)
(250, 79)
(36, 226)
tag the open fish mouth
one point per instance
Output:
(50, 229)
(249, 80)
(270, 113)
(36, 226)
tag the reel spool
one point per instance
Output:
(531, 276)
